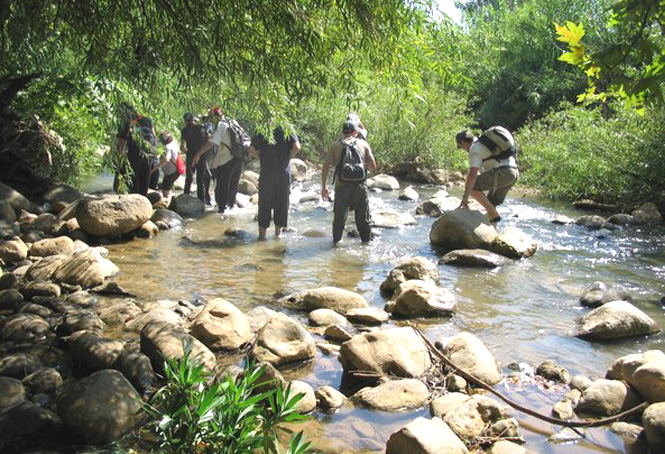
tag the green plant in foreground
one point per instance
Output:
(194, 413)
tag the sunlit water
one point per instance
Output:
(523, 312)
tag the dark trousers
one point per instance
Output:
(234, 179)
(351, 196)
(141, 177)
(274, 199)
(202, 178)
(221, 175)
(189, 173)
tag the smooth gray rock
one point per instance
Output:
(187, 206)
(336, 299)
(600, 293)
(477, 258)
(416, 298)
(615, 320)
(24, 328)
(221, 325)
(653, 421)
(161, 341)
(607, 398)
(425, 436)
(166, 219)
(472, 356)
(367, 316)
(326, 317)
(93, 351)
(394, 395)
(113, 216)
(328, 398)
(282, 341)
(414, 268)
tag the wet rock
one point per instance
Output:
(653, 421)
(271, 378)
(13, 250)
(456, 384)
(11, 392)
(593, 222)
(328, 398)
(166, 219)
(440, 406)
(113, 216)
(367, 316)
(397, 351)
(391, 219)
(221, 325)
(436, 206)
(649, 381)
(8, 281)
(41, 288)
(425, 436)
(137, 368)
(514, 244)
(472, 356)
(394, 395)
(416, 298)
(551, 371)
(328, 349)
(52, 246)
(409, 194)
(308, 402)
(384, 182)
(647, 214)
(93, 351)
(44, 269)
(10, 298)
(86, 268)
(621, 219)
(187, 206)
(36, 309)
(161, 341)
(119, 313)
(18, 365)
(158, 315)
(27, 419)
(116, 410)
(615, 320)
(282, 341)
(626, 430)
(45, 381)
(147, 230)
(600, 293)
(311, 233)
(504, 428)
(607, 398)
(247, 187)
(81, 320)
(111, 288)
(45, 222)
(478, 258)
(24, 328)
(566, 435)
(333, 298)
(336, 333)
(82, 298)
(469, 419)
(506, 447)
(563, 409)
(298, 170)
(580, 383)
(259, 316)
(326, 317)
(414, 268)
(463, 229)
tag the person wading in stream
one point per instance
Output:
(352, 159)
(275, 178)
(136, 141)
(192, 137)
(489, 172)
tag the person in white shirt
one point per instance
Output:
(221, 165)
(167, 162)
(486, 174)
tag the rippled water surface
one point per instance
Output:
(523, 311)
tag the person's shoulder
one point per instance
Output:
(478, 147)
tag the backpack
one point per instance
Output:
(240, 140)
(351, 166)
(499, 141)
(143, 138)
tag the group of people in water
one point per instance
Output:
(216, 148)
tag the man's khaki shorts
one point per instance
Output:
(497, 182)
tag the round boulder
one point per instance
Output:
(18, 365)
(221, 325)
(476, 258)
(414, 268)
(247, 187)
(514, 243)
(333, 298)
(13, 250)
(11, 392)
(115, 412)
(647, 213)
(112, 216)
(368, 316)
(86, 268)
(600, 293)
(416, 298)
(326, 317)
(653, 421)
(282, 341)
(409, 194)
(394, 395)
(615, 320)
(93, 351)
(166, 219)
(391, 219)
(463, 229)
(308, 402)
(425, 436)
(383, 181)
(44, 269)
(607, 398)
(298, 170)
(469, 353)
(52, 246)
(163, 341)
(328, 398)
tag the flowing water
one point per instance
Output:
(523, 311)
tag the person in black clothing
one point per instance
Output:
(275, 178)
(136, 139)
(192, 137)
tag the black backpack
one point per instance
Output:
(351, 166)
(240, 140)
(499, 141)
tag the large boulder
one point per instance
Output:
(10, 298)
(114, 215)
(298, 170)
(62, 245)
(653, 421)
(221, 325)
(394, 395)
(425, 436)
(18, 365)
(383, 181)
(414, 268)
(644, 371)
(17, 200)
(86, 268)
(101, 407)
(307, 403)
(251, 176)
(11, 392)
(24, 328)
(439, 203)
(615, 320)
(409, 194)
(326, 317)
(7, 211)
(163, 341)
(283, 341)
(166, 219)
(136, 367)
(416, 298)
(594, 222)
(391, 219)
(607, 398)
(514, 243)
(13, 250)
(600, 293)
(477, 258)
(463, 229)
(187, 206)
(44, 269)
(398, 351)
(61, 194)
(247, 187)
(469, 353)
(470, 418)
(41, 288)
(160, 315)
(647, 213)
(93, 351)
(333, 298)
(367, 316)
(624, 367)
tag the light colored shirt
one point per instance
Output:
(171, 152)
(222, 139)
(479, 156)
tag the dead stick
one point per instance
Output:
(559, 422)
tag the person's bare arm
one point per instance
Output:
(325, 194)
(295, 149)
(204, 148)
(468, 187)
(371, 162)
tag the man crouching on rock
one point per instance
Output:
(487, 173)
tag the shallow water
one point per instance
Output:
(523, 311)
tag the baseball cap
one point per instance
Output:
(463, 136)
(349, 126)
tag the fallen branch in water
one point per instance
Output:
(559, 422)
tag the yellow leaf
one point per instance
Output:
(572, 33)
